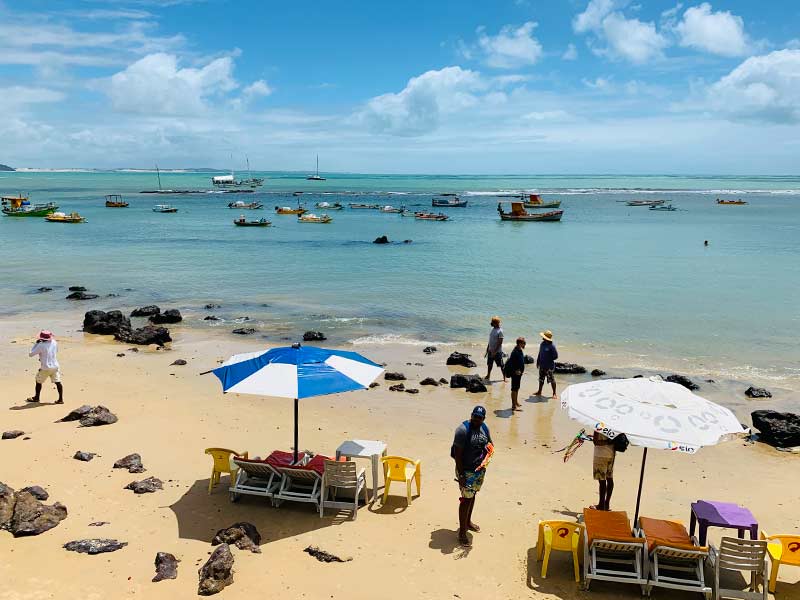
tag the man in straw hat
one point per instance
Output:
(45, 348)
(546, 361)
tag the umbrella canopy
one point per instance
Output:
(296, 372)
(652, 413)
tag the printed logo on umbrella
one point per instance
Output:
(605, 430)
(681, 447)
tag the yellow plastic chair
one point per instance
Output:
(565, 536)
(222, 464)
(398, 468)
(783, 550)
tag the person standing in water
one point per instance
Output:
(494, 349)
(546, 361)
(515, 367)
(45, 348)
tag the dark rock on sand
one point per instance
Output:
(76, 414)
(84, 456)
(529, 360)
(429, 349)
(81, 296)
(244, 331)
(146, 311)
(381, 240)
(171, 315)
(243, 535)
(76, 288)
(180, 362)
(429, 381)
(314, 336)
(754, 392)
(217, 573)
(323, 556)
(95, 546)
(8, 500)
(412, 391)
(166, 566)
(390, 376)
(374, 384)
(211, 318)
(99, 523)
(144, 336)
(682, 380)
(472, 383)
(43, 290)
(36, 491)
(443, 381)
(397, 388)
(31, 517)
(569, 369)
(100, 322)
(12, 435)
(99, 415)
(598, 372)
(458, 358)
(781, 430)
(132, 462)
(145, 486)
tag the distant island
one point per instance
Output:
(6, 168)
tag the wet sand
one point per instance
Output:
(170, 414)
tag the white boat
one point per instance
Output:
(392, 209)
(316, 175)
(164, 208)
(329, 206)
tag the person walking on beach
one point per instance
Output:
(603, 468)
(494, 349)
(515, 367)
(45, 348)
(546, 361)
(469, 451)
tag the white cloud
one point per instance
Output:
(571, 53)
(717, 32)
(546, 115)
(762, 88)
(592, 18)
(19, 96)
(600, 83)
(511, 48)
(156, 85)
(257, 89)
(417, 108)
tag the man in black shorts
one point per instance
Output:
(494, 349)
(515, 367)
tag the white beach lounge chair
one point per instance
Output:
(261, 477)
(302, 483)
(676, 560)
(735, 554)
(611, 552)
(341, 475)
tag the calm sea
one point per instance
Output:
(617, 280)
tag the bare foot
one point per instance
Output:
(32, 400)
(59, 401)
(539, 393)
(474, 527)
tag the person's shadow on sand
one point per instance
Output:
(29, 405)
(446, 542)
(538, 399)
(503, 413)
(394, 506)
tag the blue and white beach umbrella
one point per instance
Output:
(296, 372)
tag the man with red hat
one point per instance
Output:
(45, 348)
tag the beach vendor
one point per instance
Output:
(515, 367)
(46, 348)
(603, 468)
(472, 449)
(546, 361)
(494, 349)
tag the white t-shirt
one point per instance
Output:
(46, 351)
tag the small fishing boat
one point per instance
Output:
(288, 210)
(242, 222)
(408, 213)
(424, 216)
(60, 217)
(115, 201)
(645, 202)
(329, 206)
(364, 206)
(666, 207)
(392, 209)
(731, 202)
(448, 201)
(245, 205)
(20, 206)
(518, 213)
(316, 176)
(535, 201)
(312, 218)
(164, 208)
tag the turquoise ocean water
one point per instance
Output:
(620, 281)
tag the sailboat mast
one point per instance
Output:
(158, 174)
(317, 165)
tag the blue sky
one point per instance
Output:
(516, 86)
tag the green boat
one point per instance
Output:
(37, 210)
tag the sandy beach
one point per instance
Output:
(170, 414)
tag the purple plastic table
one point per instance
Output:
(722, 514)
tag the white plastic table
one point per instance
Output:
(372, 449)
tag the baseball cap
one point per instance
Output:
(479, 411)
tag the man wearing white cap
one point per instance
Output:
(45, 348)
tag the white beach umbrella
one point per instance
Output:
(652, 413)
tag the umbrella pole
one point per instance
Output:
(639, 495)
(295, 429)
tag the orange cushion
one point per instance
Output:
(666, 533)
(612, 525)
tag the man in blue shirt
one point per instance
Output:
(546, 361)
(469, 450)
